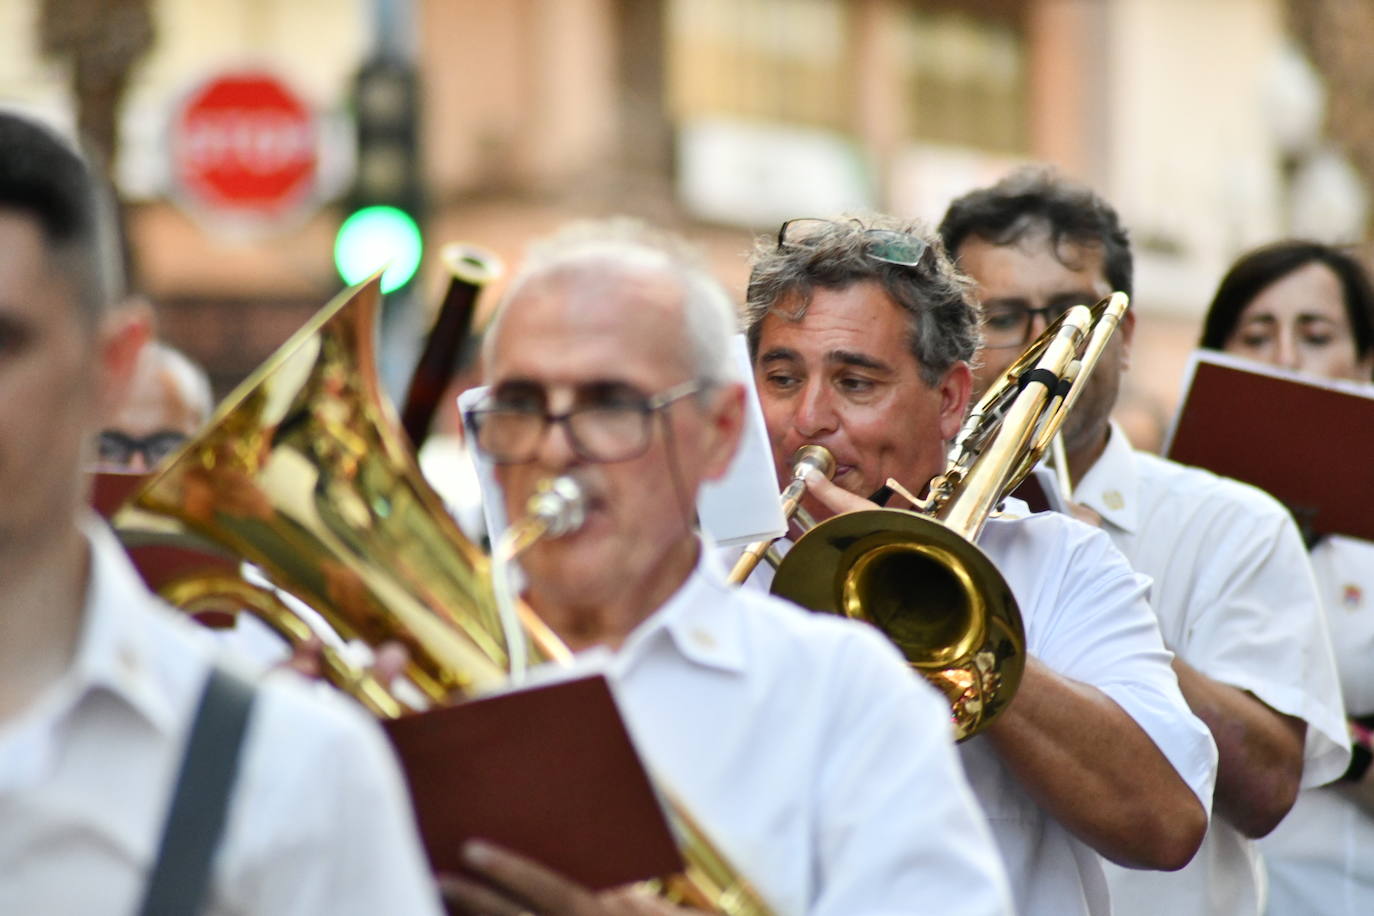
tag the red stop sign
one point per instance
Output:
(245, 144)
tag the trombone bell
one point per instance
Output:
(879, 565)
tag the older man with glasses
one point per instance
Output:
(823, 770)
(1233, 591)
(862, 334)
(168, 400)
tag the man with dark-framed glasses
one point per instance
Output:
(802, 745)
(862, 334)
(1232, 589)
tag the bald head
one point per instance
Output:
(169, 399)
(623, 258)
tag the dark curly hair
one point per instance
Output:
(1035, 198)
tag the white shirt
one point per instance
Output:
(1235, 599)
(803, 745)
(1320, 860)
(319, 823)
(1086, 618)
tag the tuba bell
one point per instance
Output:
(303, 472)
(918, 575)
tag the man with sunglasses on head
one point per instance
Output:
(862, 335)
(1232, 589)
(823, 770)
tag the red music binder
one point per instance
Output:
(549, 772)
(161, 564)
(1309, 442)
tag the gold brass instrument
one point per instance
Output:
(301, 473)
(918, 575)
(304, 473)
(1106, 317)
(806, 458)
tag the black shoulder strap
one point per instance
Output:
(181, 875)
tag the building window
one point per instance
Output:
(772, 60)
(964, 78)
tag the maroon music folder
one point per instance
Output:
(161, 564)
(549, 772)
(1309, 442)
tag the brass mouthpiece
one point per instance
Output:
(813, 456)
(560, 504)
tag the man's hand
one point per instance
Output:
(519, 887)
(832, 496)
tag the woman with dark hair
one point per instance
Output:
(1300, 305)
(1310, 307)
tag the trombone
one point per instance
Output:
(918, 575)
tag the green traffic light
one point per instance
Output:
(373, 238)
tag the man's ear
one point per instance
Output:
(726, 419)
(955, 390)
(1126, 331)
(124, 331)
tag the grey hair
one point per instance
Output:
(191, 380)
(943, 317)
(709, 316)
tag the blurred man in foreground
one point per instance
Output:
(802, 744)
(99, 682)
(1232, 588)
(862, 335)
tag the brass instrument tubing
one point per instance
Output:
(807, 457)
(1061, 467)
(986, 480)
(755, 552)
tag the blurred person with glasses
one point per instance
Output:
(1232, 590)
(802, 744)
(862, 334)
(168, 401)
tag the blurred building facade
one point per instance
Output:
(721, 117)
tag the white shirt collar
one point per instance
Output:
(699, 619)
(116, 650)
(1111, 488)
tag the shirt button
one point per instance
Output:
(703, 639)
(1113, 499)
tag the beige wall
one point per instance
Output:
(1192, 162)
(517, 94)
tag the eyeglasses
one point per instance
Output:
(119, 449)
(1010, 325)
(886, 245)
(606, 426)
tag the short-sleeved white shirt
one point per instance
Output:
(1320, 860)
(823, 769)
(1086, 618)
(319, 823)
(1235, 599)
